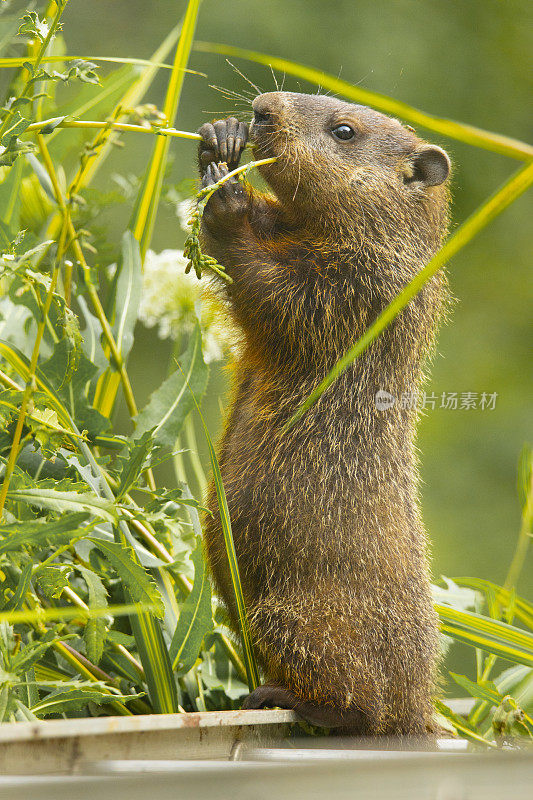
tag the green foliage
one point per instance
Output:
(195, 619)
(87, 533)
(105, 601)
(197, 259)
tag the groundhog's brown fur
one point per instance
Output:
(325, 517)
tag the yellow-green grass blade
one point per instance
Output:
(487, 634)
(156, 663)
(130, 99)
(513, 188)
(148, 201)
(65, 613)
(522, 608)
(6, 63)
(21, 365)
(252, 673)
(461, 725)
(478, 137)
(150, 643)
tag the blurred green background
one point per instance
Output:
(463, 59)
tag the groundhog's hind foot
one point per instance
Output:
(323, 716)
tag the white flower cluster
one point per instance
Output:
(174, 302)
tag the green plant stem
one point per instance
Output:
(82, 666)
(76, 599)
(145, 214)
(117, 126)
(196, 464)
(91, 289)
(509, 584)
(10, 383)
(513, 188)
(60, 6)
(522, 545)
(478, 137)
(30, 383)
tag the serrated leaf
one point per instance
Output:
(135, 578)
(195, 619)
(52, 579)
(94, 634)
(53, 500)
(36, 533)
(169, 405)
(17, 127)
(133, 463)
(15, 602)
(32, 652)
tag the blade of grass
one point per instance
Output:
(461, 725)
(513, 188)
(523, 609)
(252, 673)
(103, 144)
(487, 634)
(118, 126)
(447, 127)
(65, 613)
(6, 63)
(54, 23)
(146, 208)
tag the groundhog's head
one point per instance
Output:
(347, 159)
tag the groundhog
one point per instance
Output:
(326, 520)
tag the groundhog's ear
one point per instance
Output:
(429, 165)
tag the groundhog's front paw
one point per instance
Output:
(223, 140)
(228, 205)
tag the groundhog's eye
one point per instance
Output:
(343, 132)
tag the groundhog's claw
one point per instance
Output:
(223, 140)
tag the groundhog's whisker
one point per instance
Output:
(274, 76)
(243, 76)
(231, 94)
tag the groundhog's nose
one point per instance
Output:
(267, 106)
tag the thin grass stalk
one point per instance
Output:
(524, 540)
(461, 131)
(145, 210)
(252, 673)
(511, 189)
(9, 62)
(60, 6)
(30, 383)
(103, 144)
(117, 126)
(144, 219)
(91, 290)
(65, 613)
